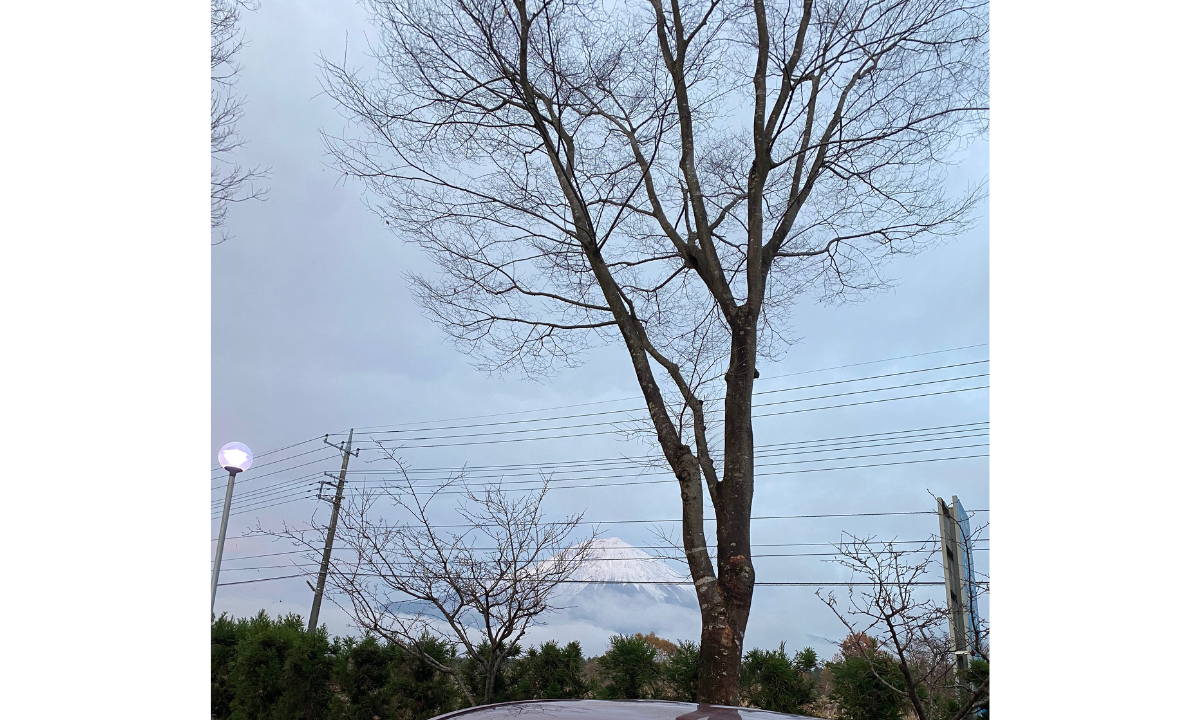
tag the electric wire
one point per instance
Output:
(641, 420)
(278, 449)
(642, 409)
(636, 547)
(258, 466)
(808, 516)
(631, 398)
(757, 583)
(667, 481)
(679, 558)
(764, 415)
(649, 463)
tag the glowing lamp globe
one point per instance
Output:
(235, 457)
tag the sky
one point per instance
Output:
(314, 332)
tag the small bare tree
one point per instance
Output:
(669, 177)
(913, 631)
(478, 585)
(229, 182)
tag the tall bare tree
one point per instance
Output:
(670, 176)
(229, 182)
(478, 584)
(913, 631)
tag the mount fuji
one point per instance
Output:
(618, 603)
(616, 596)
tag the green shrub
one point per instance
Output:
(772, 681)
(681, 672)
(475, 674)
(377, 680)
(278, 671)
(859, 693)
(224, 646)
(550, 673)
(947, 703)
(271, 669)
(264, 669)
(629, 667)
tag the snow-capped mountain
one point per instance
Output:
(618, 596)
(630, 571)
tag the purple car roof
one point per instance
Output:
(612, 710)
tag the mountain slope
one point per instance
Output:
(626, 602)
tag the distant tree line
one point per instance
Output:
(271, 669)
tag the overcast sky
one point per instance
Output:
(314, 332)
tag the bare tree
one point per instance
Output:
(914, 631)
(672, 176)
(229, 182)
(478, 585)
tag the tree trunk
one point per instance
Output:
(489, 688)
(721, 655)
(724, 630)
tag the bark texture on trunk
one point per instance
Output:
(724, 628)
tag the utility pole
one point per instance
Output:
(319, 590)
(960, 581)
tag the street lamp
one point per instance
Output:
(234, 457)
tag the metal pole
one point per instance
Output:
(221, 538)
(319, 590)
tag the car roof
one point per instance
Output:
(612, 710)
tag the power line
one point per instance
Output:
(503, 476)
(278, 449)
(876, 362)
(294, 467)
(756, 474)
(765, 415)
(662, 482)
(778, 450)
(946, 432)
(638, 420)
(273, 490)
(642, 409)
(636, 547)
(871, 362)
(674, 520)
(273, 462)
(680, 558)
(627, 399)
(774, 450)
(262, 475)
(639, 582)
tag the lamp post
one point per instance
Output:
(234, 457)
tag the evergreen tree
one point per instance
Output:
(376, 680)
(859, 693)
(772, 681)
(550, 672)
(279, 671)
(629, 666)
(681, 671)
(475, 674)
(225, 635)
(947, 704)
